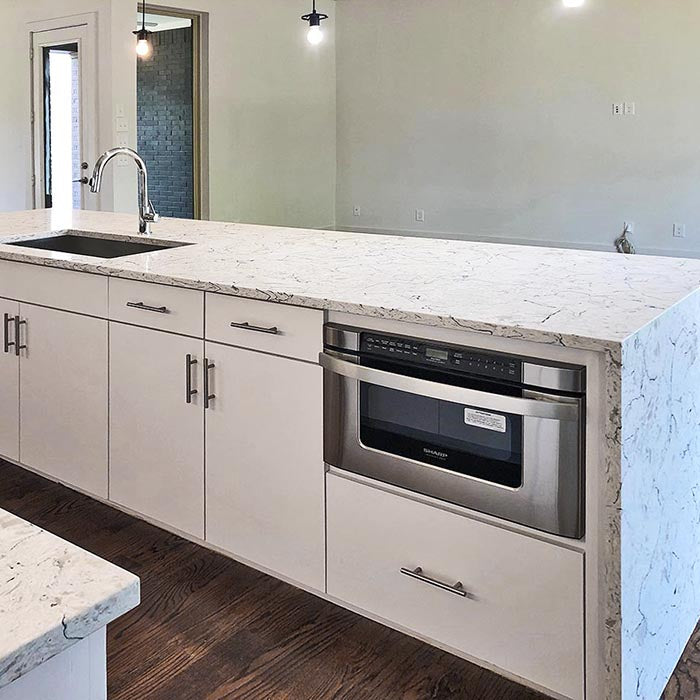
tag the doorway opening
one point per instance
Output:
(169, 111)
(61, 126)
(63, 113)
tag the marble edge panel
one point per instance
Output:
(444, 321)
(69, 631)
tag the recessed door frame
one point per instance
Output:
(81, 30)
(200, 101)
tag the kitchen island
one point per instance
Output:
(631, 320)
(55, 603)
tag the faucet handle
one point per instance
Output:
(151, 214)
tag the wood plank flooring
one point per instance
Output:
(209, 628)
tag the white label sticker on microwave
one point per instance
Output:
(482, 419)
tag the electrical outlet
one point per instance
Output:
(679, 230)
(122, 125)
(122, 142)
(420, 215)
(630, 109)
(357, 211)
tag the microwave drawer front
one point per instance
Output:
(290, 331)
(157, 306)
(550, 497)
(509, 600)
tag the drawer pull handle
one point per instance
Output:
(272, 330)
(189, 391)
(207, 396)
(18, 338)
(7, 343)
(144, 307)
(417, 573)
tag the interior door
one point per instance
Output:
(156, 433)
(63, 396)
(264, 462)
(64, 115)
(9, 382)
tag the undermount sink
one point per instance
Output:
(80, 244)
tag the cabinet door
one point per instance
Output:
(63, 397)
(9, 382)
(156, 436)
(264, 462)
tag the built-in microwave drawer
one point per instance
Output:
(280, 329)
(509, 600)
(157, 306)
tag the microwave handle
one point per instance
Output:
(546, 406)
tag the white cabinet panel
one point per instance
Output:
(264, 462)
(63, 397)
(280, 329)
(523, 611)
(157, 306)
(9, 382)
(156, 437)
(49, 286)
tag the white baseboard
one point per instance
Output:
(512, 240)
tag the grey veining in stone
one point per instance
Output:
(639, 312)
(52, 594)
(581, 299)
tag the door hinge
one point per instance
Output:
(31, 53)
(31, 117)
(33, 180)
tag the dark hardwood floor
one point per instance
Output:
(209, 628)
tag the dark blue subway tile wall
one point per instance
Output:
(165, 123)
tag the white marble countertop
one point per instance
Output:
(52, 594)
(575, 298)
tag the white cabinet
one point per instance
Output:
(264, 462)
(157, 426)
(63, 396)
(520, 603)
(9, 381)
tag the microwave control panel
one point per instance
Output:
(465, 360)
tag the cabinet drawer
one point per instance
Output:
(523, 608)
(275, 328)
(157, 306)
(50, 286)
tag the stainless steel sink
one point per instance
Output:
(80, 244)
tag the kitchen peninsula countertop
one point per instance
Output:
(575, 298)
(639, 314)
(52, 594)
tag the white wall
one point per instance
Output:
(271, 102)
(496, 119)
(272, 113)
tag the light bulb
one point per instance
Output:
(573, 3)
(143, 48)
(315, 35)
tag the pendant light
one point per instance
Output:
(143, 43)
(315, 34)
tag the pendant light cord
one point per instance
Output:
(143, 15)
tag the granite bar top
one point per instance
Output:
(574, 298)
(52, 594)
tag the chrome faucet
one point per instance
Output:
(147, 214)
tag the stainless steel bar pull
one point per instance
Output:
(18, 330)
(417, 573)
(272, 330)
(207, 396)
(189, 391)
(7, 343)
(145, 307)
(556, 408)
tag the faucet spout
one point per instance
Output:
(147, 213)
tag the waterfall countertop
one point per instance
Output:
(576, 298)
(52, 594)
